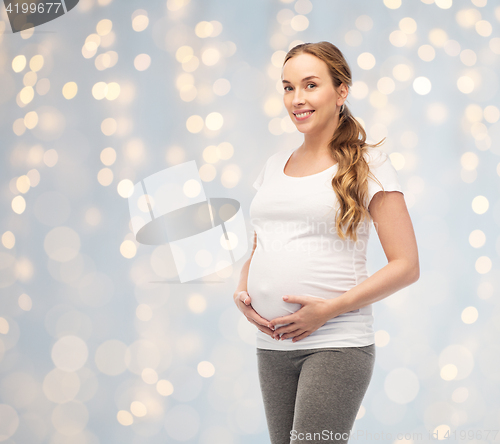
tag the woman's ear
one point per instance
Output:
(344, 90)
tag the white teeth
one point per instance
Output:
(303, 114)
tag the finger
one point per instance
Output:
(284, 320)
(258, 318)
(291, 326)
(302, 336)
(291, 334)
(262, 328)
(244, 297)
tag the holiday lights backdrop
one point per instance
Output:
(96, 346)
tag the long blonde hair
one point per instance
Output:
(348, 145)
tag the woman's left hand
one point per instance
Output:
(307, 319)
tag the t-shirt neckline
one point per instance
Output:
(287, 158)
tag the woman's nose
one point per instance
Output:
(297, 100)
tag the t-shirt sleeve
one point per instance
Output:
(382, 168)
(260, 178)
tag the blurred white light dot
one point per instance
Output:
(128, 249)
(477, 238)
(422, 85)
(398, 38)
(142, 62)
(110, 357)
(23, 184)
(491, 114)
(443, 4)
(467, 18)
(484, 28)
(104, 27)
(105, 176)
(19, 63)
(108, 156)
(299, 23)
(8, 240)
(452, 48)
(214, 121)
(382, 338)
(4, 326)
(109, 126)
(483, 264)
(480, 204)
(474, 113)
(125, 418)
(210, 56)
(125, 188)
(468, 57)
(194, 124)
(144, 312)
(69, 353)
(353, 37)
(495, 45)
(437, 113)
(149, 376)
(69, 90)
(448, 372)
(470, 315)
(197, 303)
(392, 4)
(62, 244)
(408, 25)
(206, 369)
(366, 60)
(140, 22)
(203, 29)
(61, 386)
(138, 409)
(460, 394)
(359, 89)
(36, 62)
(364, 23)
(465, 84)
(164, 387)
(25, 303)
(438, 37)
(401, 72)
(469, 160)
(426, 53)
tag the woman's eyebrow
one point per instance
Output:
(304, 79)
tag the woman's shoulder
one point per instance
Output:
(375, 156)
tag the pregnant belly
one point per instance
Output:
(270, 280)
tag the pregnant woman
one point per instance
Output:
(305, 286)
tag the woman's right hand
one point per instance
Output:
(243, 301)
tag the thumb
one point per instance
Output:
(293, 298)
(245, 297)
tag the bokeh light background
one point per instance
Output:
(96, 346)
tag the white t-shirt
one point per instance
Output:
(299, 252)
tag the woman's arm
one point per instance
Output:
(395, 231)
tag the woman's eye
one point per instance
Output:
(307, 85)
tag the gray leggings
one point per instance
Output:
(313, 395)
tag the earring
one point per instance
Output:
(341, 109)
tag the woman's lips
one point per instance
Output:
(305, 117)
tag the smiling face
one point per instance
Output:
(308, 86)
